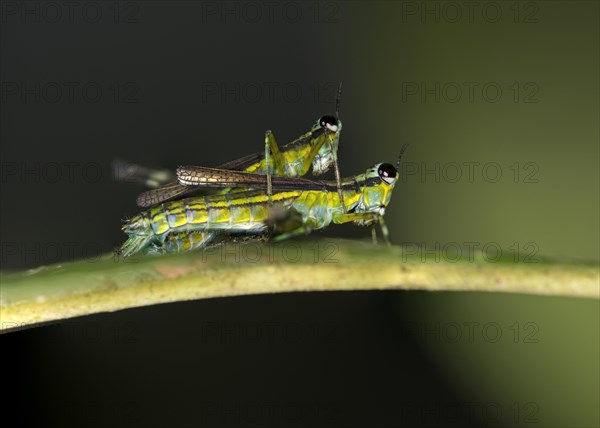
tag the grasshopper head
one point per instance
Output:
(330, 128)
(377, 188)
(330, 123)
(327, 129)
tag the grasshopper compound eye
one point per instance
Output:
(387, 172)
(329, 122)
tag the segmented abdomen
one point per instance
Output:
(234, 212)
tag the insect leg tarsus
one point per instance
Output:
(374, 234)
(384, 231)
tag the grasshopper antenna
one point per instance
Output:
(402, 150)
(337, 102)
(336, 166)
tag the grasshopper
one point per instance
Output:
(310, 204)
(316, 150)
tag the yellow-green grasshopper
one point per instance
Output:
(312, 204)
(316, 150)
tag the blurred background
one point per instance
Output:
(500, 104)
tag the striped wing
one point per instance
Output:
(199, 176)
(167, 192)
(176, 190)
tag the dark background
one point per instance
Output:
(165, 83)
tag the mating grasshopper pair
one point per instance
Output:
(260, 196)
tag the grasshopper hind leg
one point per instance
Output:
(134, 245)
(300, 231)
(287, 224)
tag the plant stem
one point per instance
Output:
(107, 284)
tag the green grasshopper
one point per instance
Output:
(316, 150)
(310, 204)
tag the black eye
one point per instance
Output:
(329, 122)
(387, 172)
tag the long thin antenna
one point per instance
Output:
(336, 166)
(337, 102)
(402, 150)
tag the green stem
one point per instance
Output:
(106, 284)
